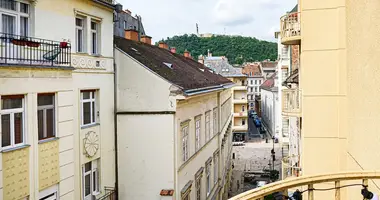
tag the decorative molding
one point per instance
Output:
(48, 164)
(89, 62)
(91, 144)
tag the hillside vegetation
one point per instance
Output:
(237, 49)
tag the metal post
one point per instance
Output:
(337, 190)
(365, 184)
(310, 192)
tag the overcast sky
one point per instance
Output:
(166, 18)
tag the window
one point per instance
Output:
(242, 82)
(256, 89)
(12, 121)
(208, 178)
(185, 142)
(88, 107)
(125, 25)
(216, 164)
(259, 82)
(242, 108)
(91, 179)
(285, 52)
(80, 33)
(243, 122)
(215, 118)
(95, 37)
(198, 188)
(197, 133)
(251, 89)
(207, 126)
(255, 82)
(251, 81)
(46, 116)
(14, 17)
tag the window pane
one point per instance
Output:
(94, 181)
(11, 103)
(9, 24)
(44, 100)
(40, 118)
(94, 44)
(87, 187)
(86, 95)
(50, 123)
(87, 167)
(79, 22)
(94, 26)
(24, 8)
(6, 130)
(24, 24)
(87, 113)
(93, 111)
(79, 40)
(8, 4)
(18, 122)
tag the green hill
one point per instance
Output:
(237, 49)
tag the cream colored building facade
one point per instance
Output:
(240, 106)
(338, 73)
(176, 145)
(56, 88)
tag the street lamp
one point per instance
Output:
(273, 154)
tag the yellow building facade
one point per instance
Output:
(56, 90)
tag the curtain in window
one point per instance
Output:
(6, 130)
(24, 26)
(18, 128)
(8, 24)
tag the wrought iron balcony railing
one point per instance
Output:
(291, 102)
(110, 194)
(282, 187)
(21, 50)
(291, 28)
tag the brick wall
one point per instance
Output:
(295, 56)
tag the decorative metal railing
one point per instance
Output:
(291, 101)
(280, 188)
(110, 194)
(22, 50)
(290, 25)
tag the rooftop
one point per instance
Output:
(175, 68)
(221, 66)
(269, 84)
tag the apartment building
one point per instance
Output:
(178, 144)
(56, 74)
(270, 106)
(126, 21)
(220, 65)
(268, 68)
(255, 78)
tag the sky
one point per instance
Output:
(166, 18)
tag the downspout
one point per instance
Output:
(115, 126)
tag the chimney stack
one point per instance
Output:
(173, 50)
(201, 59)
(146, 39)
(163, 45)
(132, 35)
(187, 54)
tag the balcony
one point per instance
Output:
(240, 101)
(241, 114)
(289, 171)
(28, 51)
(240, 87)
(291, 29)
(240, 128)
(291, 102)
(281, 188)
(110, 194)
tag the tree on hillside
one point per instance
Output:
(237, 49)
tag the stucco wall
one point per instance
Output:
(146, 158)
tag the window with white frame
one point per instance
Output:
(259, 82)
(255, 82)
(216, 164)
(242, 108)
(197, 133)
(80, 33)
(95, 27)
(88, 104)
(243, 122)
(12, 121)
(207, 126)
(256, 89)
(208, 178)
(215, 120)
(90, 179)
(185, 141)
(198, 185)
(251, 81)
(14, 17)
(46, 116)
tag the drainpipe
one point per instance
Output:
(115, 127)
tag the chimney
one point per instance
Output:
(132, 35)
(173, 50)
(187, 54)
(201, 59)
(146, 39)
(163, 45)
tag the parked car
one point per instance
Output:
(257, 122)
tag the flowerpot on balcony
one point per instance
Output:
(63, 45)
(33, 44)
(19, 42)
